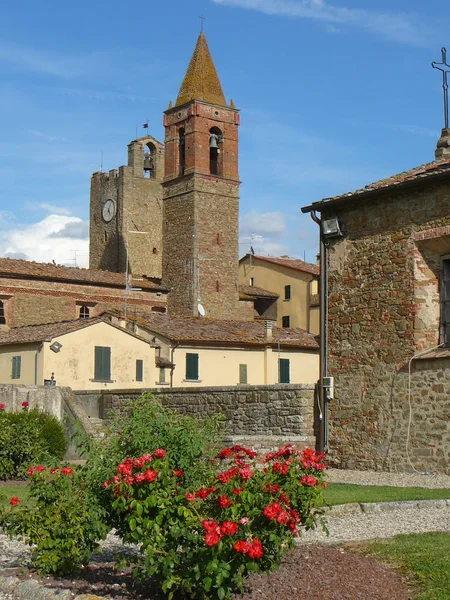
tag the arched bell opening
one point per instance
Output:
(150, 161)
(215, 151)
(181, 151)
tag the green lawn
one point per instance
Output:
(12, 490)
(424, 558)
(343, 493)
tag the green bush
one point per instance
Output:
(190, 442)
(63, 523)
(27, 437)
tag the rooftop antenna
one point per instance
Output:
(444, 67)
(202, 18)
(101, 161)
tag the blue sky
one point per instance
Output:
(333, 95)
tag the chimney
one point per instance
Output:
(268, 330)
(443, 146)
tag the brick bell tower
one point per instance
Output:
(201, 195)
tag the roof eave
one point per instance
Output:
(382, 191)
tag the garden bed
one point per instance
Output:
(306, 573)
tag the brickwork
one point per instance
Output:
(138, 200)
(29, 302)
(383, 309)
(201, 213)
(263, 416)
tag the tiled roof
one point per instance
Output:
(257, 292)
(201, 81)
(286, 261)
(13, 267)
(423, 172)
(44, 333)
(201, 329)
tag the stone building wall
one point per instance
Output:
(32, 302)
(138, 201)
(261, 416)
(383, 309)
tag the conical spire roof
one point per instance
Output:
(201, 81)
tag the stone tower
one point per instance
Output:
(201, 195)
(126, 201)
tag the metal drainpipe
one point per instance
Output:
(172, 351)
(322, 442)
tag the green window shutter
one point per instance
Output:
(283, 367)
(139, 370)
(162, 375)
(191, 366)
(102, 370)
(242, 374)
(16, 367)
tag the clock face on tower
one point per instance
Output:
(108, 210)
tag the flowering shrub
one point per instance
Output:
(63, 523)
(204, 542)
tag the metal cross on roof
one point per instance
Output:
(445, 68)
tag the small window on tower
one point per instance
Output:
(155, 250)
(217, 286)
(215, 145)
(84, 312)
(2, 313)
(181, 152)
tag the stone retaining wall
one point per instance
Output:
(262, 416)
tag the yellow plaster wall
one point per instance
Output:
(74, 365)
(274, 278)
(220, 367)
(27, 352)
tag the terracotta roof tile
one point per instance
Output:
(24, 268)
(426, 171)
(44, 333)
(201, 81)
(257, 292)
(201, 329)
(286, 261)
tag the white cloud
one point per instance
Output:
(395, 26)
(261, 223)
(53, 209)
(46, 136)
(42, 241)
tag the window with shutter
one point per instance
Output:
(445, 303)
(2, 313)
(162, 375)
(285, 322)
(242, 374)
(139, 370)
(16, 367)
(284, 370)
(191, 366)
(287, 292)
(102, 369)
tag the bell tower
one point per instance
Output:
(201, 195)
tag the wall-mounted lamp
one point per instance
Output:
(56, 347)
(330, 227)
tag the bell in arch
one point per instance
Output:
(213, 140)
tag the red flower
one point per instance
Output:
(159, 453)
(237, 491)
(227, 475)
(139, 477)
(308, 480)
(189, 497)
(178, 472)
(14, 501)
(146, 458)
(224, 453)
(212, 538)
(66, 471)
(204, 493)
(40, 469)
(244, 520)
(272, 510)
(224, 501)
(30, 471)
(256, 549)
(54, 470)
(124, 469)
(229, 528)
(246, 473)
(210, 525)
(281, 468)
(150, 475)
(242, 546)
(272, 488)
(282, 517)
(2, 406)
(25, 404)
